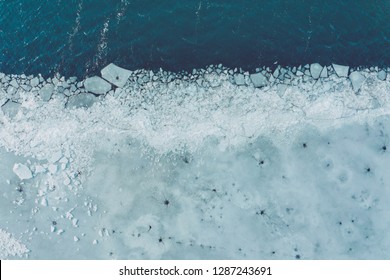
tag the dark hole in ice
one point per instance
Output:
(54, 223)
(340, 223)
(261, 162)
(214, 190)
(273, 252)
(368, 169)
(298, 257)
(384, 148)
(304, 145)
(261, 212)
(186, 160)
(166, 202)
(19, 189)
(160, 240)
(117, 77)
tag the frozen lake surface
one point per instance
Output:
(289, 163)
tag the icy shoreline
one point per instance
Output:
(169, 111)
(67, 129)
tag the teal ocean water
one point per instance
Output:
(79, 37)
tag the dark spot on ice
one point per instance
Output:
(111, 253)
(273, 252)
(261, 212)
(54, 223)
(166, 202)
(298, 257)
(340, 223)
(19, 189)
(117, 77)
(384, 148)
(261, 162)
(214, 190)
(352, 221)
(160, 240)
(304, 145)
(186, 160)
(368, 169)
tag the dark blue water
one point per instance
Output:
(78, 37)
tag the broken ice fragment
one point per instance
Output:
(382, 75)
(357, 80)
(83, 100)
(239, 79)
(116, 75)
(97, 85)
(44, 202)
(22, 171)
(341, 70)
(324, 73)
(315, 70)
(10, 108)
(46, 92)
(34, 82)
(55, 157)
(52, 168)
(258, 80)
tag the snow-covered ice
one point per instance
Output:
(281, 164)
